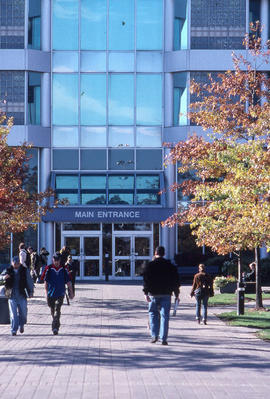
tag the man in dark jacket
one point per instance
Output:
(160, 280)
(20, 286)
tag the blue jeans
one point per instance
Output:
(17, 312)
(204, 301)
(159, 313)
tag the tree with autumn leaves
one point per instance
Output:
(230, 206)
(19, 208)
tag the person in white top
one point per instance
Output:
(22, 254)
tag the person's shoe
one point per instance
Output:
(164, 343)
(154, 340)
(204, 322)
(22, 329)
(13, 334)
(55, 331)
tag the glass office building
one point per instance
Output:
(98, 87)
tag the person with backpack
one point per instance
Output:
(55, 278)
(43, 261)
(73, 268)
(202, 289)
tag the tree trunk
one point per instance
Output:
(259, 303)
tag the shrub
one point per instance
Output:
(222, 281)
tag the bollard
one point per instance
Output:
(240, 298)
(4, 311)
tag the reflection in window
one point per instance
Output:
(93, 199)
(65, 137)
(93, 136)
(121, 190)
(34, 83)
(93, 99)
(12, 24)
(121, 136)
(121, 182)
(149, 21)
(65, 24)
(93, 182)
(180, 25)
(66, 187)
(31, 182)
(121, 99)
(149, 99)
(93, 24)
(94, 61)
(34, 13)
(121, 25)
(147, 182)
(65, 61)
(121, 62)
(120, 199)
(180, 99)
(121, 159)
(149, 61)
(148, 136)
(148, 187)
(12, 95)
(65, 99)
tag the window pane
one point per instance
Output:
(180, 99)
(121, 62)
(12, 95)
(149, 159)
(71, 198)
(65, 99)
(149, 99)
(93, 182)
(93, 99)
(148, 137)
(121, 159)
(66, 182)
(93, 198)
(149, 62)
(121, 199)
(34, 83)
(121, 25)
(121, 99)
(148, 199)
(121, 137)
(34, 13)
(65, 24)
(93, 159)
(65, 137)
(65, 61)
(149, 182)
(123, 182)
(180, 39)
(93, 24)
(149, 24)
(93, 136)
(65, 159)
(93, 61)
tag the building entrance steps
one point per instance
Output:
(103, 350)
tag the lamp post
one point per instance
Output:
(240, 288)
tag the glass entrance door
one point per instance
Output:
(87, 249)
(131, 252)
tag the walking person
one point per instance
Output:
(55, 279)
(20, 285)
(160, 280)
(43, 261)
(202, 289)
(73, 267)
(24, 255)
(64, 252)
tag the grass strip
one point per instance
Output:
(230, 299)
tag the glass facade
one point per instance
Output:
(12, 24)
(107, 73)
(180, 25)
(106, 189)
(34, 87)
(217, 24)
(180, 99)
(34, 15)
(12, 101)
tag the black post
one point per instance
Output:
(106, 267)
(240, 288)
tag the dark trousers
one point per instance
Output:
(55, 306)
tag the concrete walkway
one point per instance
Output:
(103, 351)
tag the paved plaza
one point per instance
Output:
(103, 351)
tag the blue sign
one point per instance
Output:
(107, 215)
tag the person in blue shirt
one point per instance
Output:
(55, 278)
(19, 285)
